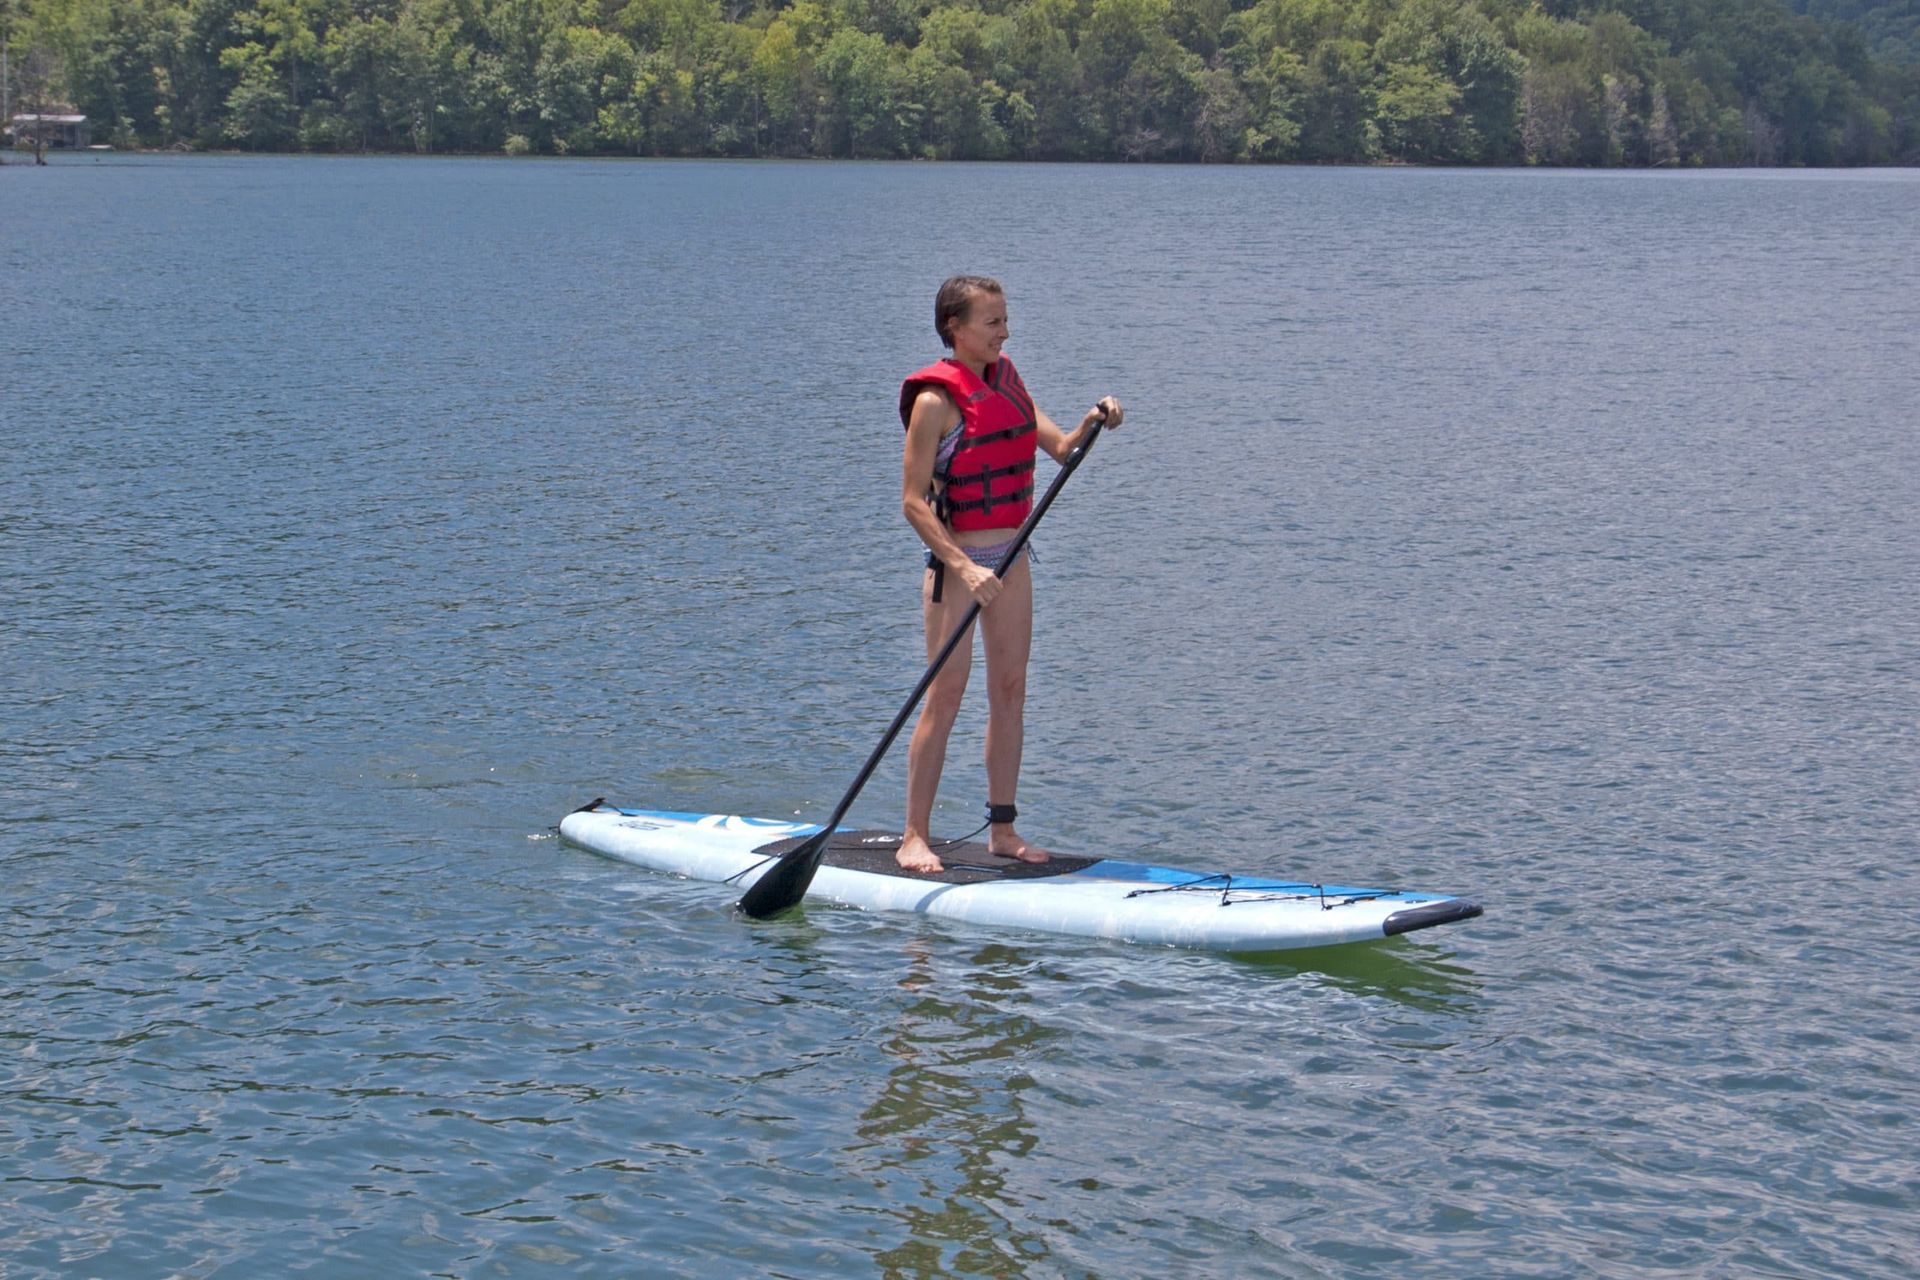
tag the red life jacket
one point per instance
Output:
(989, 480)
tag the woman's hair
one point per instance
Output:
(953, 300)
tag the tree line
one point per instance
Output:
(1557, 82)
(1891, 28)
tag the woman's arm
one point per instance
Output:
(1059, 444)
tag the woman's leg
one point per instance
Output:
(1006, 625)
(927, 749)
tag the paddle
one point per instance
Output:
(785, 883)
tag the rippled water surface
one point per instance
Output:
(1547, 538)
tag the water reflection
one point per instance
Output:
(950, 1115)
(1408, 973)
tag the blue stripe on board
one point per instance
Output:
(670, 815)
(1113, 869)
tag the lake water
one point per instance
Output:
(1545, 538)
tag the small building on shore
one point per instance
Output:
(51, 131)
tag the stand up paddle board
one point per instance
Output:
(1092, 897)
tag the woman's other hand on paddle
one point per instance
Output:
(1058, 445)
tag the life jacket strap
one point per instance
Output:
(989, 502)
(988, 499)
(1005, 433)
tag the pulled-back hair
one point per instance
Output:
(955, 298)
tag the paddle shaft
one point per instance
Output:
(786, 883)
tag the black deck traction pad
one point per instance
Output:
(967, 863)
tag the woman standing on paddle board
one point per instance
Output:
(972, 432)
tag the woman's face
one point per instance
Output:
(979, 334)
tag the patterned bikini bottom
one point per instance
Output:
(985, 557)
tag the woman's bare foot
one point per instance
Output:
(914, 855)
(1003, 841)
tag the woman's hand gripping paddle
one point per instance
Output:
(783, 885)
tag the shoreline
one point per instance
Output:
(24, 158)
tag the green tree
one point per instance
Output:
(513, 74)
(955, 115)
(675, 27)
(359, 56)
(1116, 35)
(259, 113)
(1044, 70)
(1223, 118)
(291, 30)
(1158, 104)
(99, 48)
(1337, 103)
(1663, 137)
(1457, 42)
(583, 70)
(430, 96)
(37, 75)
(1418, 114)
(861, 119)
(1556, 113)
(1620, 122)
(782, 74)
(274, 68)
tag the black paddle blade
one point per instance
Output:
(786, 881)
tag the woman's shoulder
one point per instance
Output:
(933, 395)
(935, 385)
(928, 403)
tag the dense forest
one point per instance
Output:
(1891, 28)
(1558, 82)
